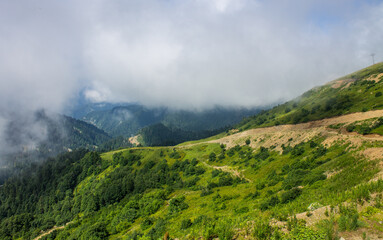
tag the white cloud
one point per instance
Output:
(251, 53)
(182, 54)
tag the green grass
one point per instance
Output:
(193, 190)
(325, 101)
(235, 202)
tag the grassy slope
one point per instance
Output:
(235, 203)
(328, 175)
(348, 94)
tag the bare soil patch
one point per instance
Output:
(134, 140)
(230, 170)
(294, 134)
(375, 78)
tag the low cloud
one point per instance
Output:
(238, 53)
(191, 54)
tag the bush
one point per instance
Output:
(212, 157)
(268, 203)
(314, 177)
(348, 219)
(158, 230)
(186, 223)
(290, 195)
(146, 223)
(177, 204)
(262, 230)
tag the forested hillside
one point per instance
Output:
(129, 120)
(60, 134)
(265, 180)
(160, 135)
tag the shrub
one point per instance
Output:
(327, 227)
(146, 223)
(290, 195)
(177, 204)
(186, 223)
(270, 202)
(253, 195)
(158, 230)
(348, 219)
(212, 157)
(262, 230)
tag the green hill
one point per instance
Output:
(357, 92)
(312, 180)
(129, 120)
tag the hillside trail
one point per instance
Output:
(50, 231)
(230, 170)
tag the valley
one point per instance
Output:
(318, 178)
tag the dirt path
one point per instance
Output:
(230, 170)
(51, 230)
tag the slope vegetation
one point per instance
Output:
(317, 179)
(358, 92)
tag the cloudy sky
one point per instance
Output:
(182, 54)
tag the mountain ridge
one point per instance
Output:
(315, 179)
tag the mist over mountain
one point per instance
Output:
(126, 120)
(185, 55)
(313, 164)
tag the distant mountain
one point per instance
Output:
(83, 108)
(66, 132)
(160, 135)
(128, 120)
(315, 180)
(58, 133)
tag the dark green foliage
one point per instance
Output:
(269, 203)
(128, 120)
(366, 127)
(320, 151)
(260, 185)
(147, 223)
(290, 195)
(297, 151)
(215, 173)
(212, 157)
(186, 223)
(253, 195)
(241, 210)
(263, 154)
(262, 230)
(114, 143)
(161, 135)
(206, 191)
(174, 154)
(314, 177)
(177, 204)
(96, 231)
(294, 178)
(348, 219)
(158, 230)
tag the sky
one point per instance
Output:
(190, 54)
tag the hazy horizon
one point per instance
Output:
(192, 54)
